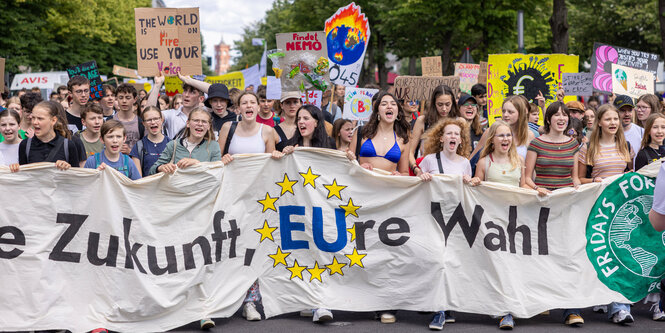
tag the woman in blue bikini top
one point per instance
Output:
(387, 131)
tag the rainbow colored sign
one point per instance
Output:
(347, 35)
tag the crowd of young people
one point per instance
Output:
(140, 134)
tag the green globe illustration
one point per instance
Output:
(627, 234)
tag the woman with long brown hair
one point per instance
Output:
(387, 131)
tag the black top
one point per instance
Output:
(284, 141)
(39, 151)
(648, 155)
(74, 120)
(218, 121)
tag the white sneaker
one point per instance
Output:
(249, 312)
(306, 313)
(658, 315)
(600, 309)
(322, 315)
(388, 318)
(622, 317)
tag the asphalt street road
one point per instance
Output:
(408, 321)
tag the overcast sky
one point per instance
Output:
(224, 18)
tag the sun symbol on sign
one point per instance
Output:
(340, 261)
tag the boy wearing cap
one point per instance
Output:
(632, 132)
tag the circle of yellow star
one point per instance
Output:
(286, 184)
(296, 270)
(315, 272)
(350, 208)
(334, 189)
(268, 203)
(266, 231)
(309, 177)
(355, 258)
(336, 267)
(279, 257)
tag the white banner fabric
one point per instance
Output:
(83, 249)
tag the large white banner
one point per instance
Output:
(83, 249)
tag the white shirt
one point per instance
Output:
(8, 153)
(174, 121)
(659, 192)
(460, 166)
(634, 137)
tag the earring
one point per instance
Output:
(378, 116)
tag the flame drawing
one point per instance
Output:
(351, 17)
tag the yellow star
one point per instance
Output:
(279, 257)
(309, 177)
(316, 272)
(336, 267)
(268, 202)
(356, 258)
(296, 270)
(287, 184)
(350, 208)
(334, 189)
(352, 231)
(266, 231)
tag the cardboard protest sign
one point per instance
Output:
(431, 66)
(126, 72)
(2, 74)
(526, 74)
(632, 82)
(358, 103)
(89, 71)
(419, 88)
(605, 55)
(168, 40)
(312, 97)
(302, 63)
(577, 84)
(482, 74)
(468, 76)
(273, 88)
(347, 36)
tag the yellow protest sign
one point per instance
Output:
(231, 80)
(526, 74)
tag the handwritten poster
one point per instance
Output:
(358, 103)
(347, 36)
(577, 84)
(303, 62)
(273, 88)
(482, 75)
(311, 97)
(89, 71)
(632, 82)
(168, 40)
(420, 88)
(126, 72)
(468, 76)
(431, 66)
(605, 55)
(526, 74)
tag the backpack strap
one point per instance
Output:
(98, 160)
(27, 150)
(229, 136)
(360, 137)
(141, 151)
(141, 128)
(125, 164)
(438, 161)
(66, 144)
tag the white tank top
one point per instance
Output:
(248, 144)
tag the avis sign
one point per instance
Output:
(168, 40)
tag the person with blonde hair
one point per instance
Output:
(499, 161)
(652, 148)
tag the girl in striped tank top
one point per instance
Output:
(607, 154)
(553, 155)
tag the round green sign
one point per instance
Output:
(626, 251)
